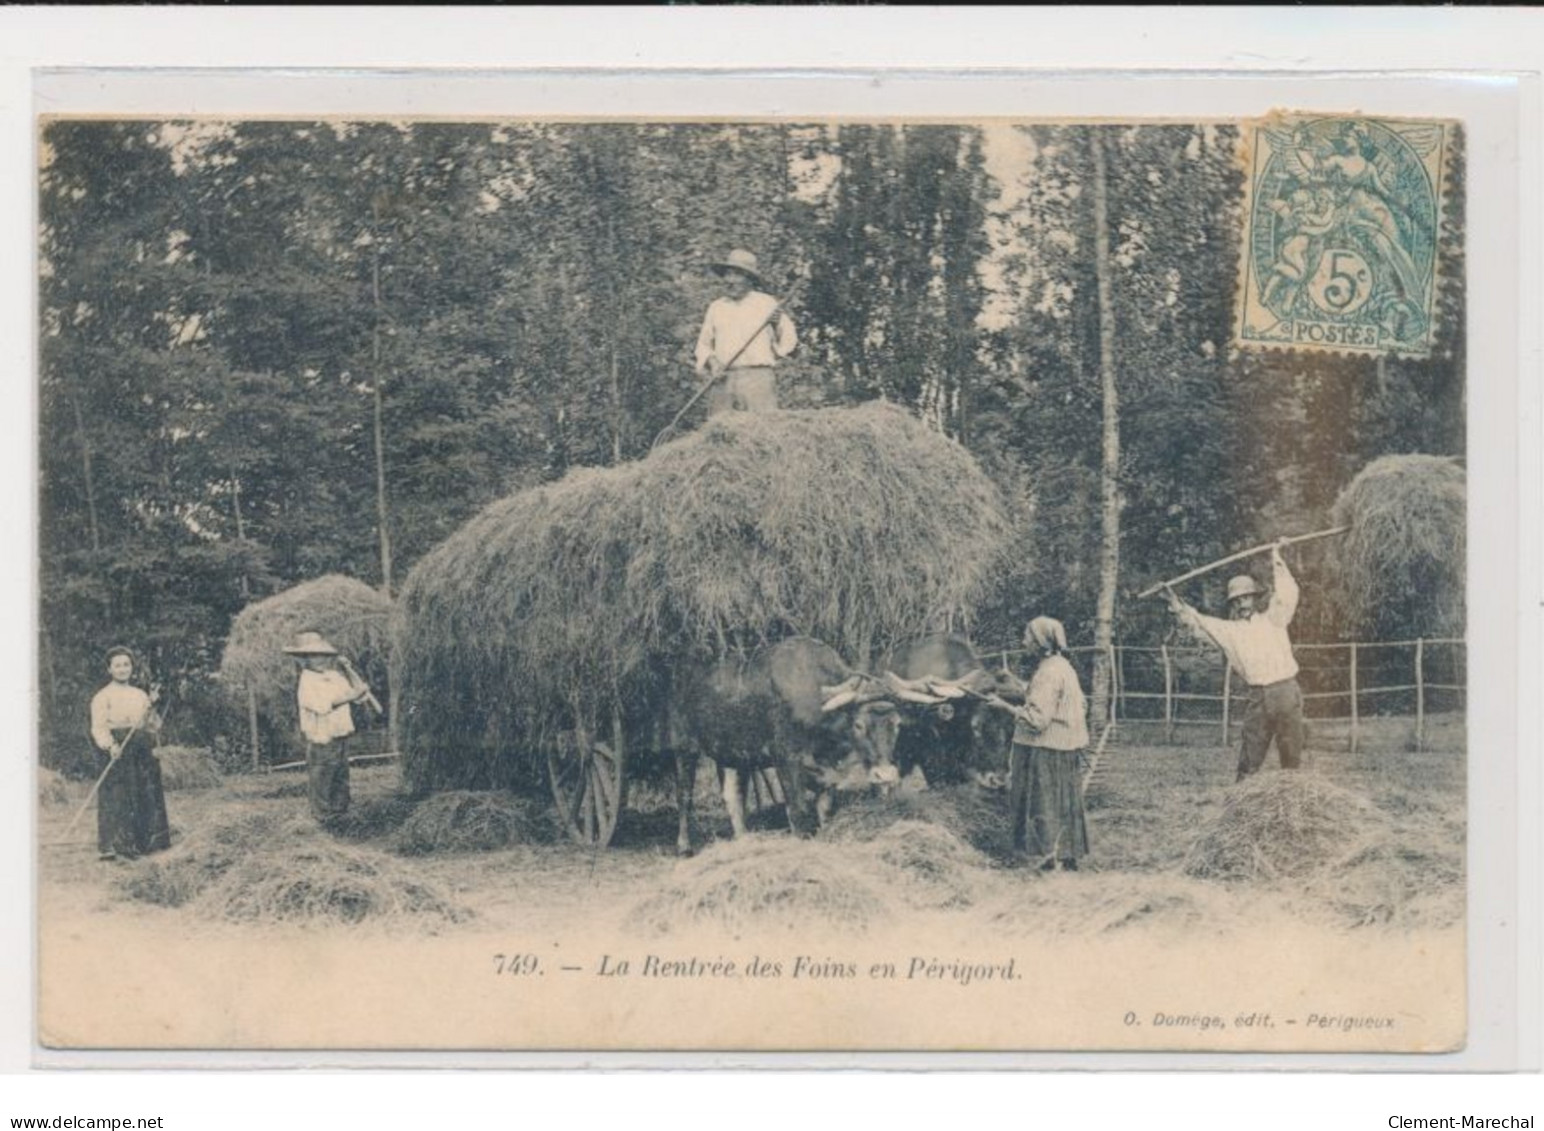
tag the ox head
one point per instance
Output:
(873, 724)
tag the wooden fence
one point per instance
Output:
(1350, 683)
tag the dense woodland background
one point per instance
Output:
(276, 350)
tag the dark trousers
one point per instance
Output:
(327, 768)
(131, 805)
(1275, 712)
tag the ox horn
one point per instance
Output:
(849, 684)
(840, 699)
(946, 689)
(910, 690)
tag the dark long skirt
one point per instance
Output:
(1047, 793)
(131, 805)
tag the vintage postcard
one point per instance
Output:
(825, 584)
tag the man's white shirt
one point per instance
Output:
(730, 324)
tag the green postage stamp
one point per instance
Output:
(1343, 219)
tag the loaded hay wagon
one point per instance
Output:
(541, 645)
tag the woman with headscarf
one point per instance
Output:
(131, 805)
(1050, 733)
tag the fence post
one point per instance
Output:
(1354, 716)
(1420, 693)
(1227, 698)
(1168, 698)
(257, 754)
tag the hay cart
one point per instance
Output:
(587, 769)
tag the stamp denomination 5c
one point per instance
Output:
(1342, 221)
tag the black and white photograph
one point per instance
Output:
(753, 584)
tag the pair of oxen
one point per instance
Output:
(797, 710)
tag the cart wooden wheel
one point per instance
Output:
(587, 780)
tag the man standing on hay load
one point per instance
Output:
(744, 335)
(1255, 641)
(328, 684)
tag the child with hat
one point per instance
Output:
(326, 688)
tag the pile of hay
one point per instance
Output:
(352, 616)
(929, 867)
(262, 868)
(1086, 903)
(188, 767)
(1407, 886)
(53, 787)
(1285, 825)
(201, 859)
(371, 818)
(1401, 566)
(764, 882)
(467, 821)
(978, 817)
(559, 605)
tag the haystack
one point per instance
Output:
(1285, 825)
(560, 605)
(978, 818)
(1401, 566)
(350, 614)
(188, 767)
(929, 866)
(263, 868)
(469, 821)
(762, 883)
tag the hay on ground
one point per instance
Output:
(1401, 566)
(1284, 825)
(976, 816)
(188, 767)
(350, 614)
(560, 605)
(764, 882)
(324, 880)
(264, 868)
(1086, 903)
(53, 787)
(202, 858)
(931, 867)
(468, 821)
(373, 818)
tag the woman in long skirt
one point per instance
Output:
(1049, 824)
(131, 805)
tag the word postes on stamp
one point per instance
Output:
(1341, 230)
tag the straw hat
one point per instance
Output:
(739, 260)
(1243, 586)
(311, 644)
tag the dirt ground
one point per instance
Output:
(1146, 804)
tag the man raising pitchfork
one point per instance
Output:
(743, 336)
(1256, 642)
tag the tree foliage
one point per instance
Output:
(223, 305)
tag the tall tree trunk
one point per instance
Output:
(613, 334)
(246, 595)
(1109, 476)
(375, 385)
(85, 459)
(382, 512)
